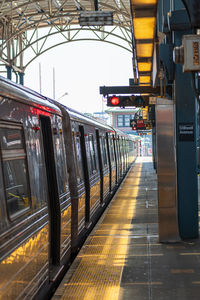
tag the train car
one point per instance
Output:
(126, 152)
(89, 171)
(58, 170)
(30, 197)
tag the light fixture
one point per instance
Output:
(144, 26)
(144, 66)
(144, 50)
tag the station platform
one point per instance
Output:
(122, 258)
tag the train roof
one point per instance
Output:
(81, 117)
(26, 95)
(89, 120)
(77, 116)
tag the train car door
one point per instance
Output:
(116, 158)
(86, 174)
(109, 161)
(100, 165)
(119, 155)
(53, 196)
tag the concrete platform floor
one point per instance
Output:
(122, 259)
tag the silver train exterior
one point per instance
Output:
(58, 170)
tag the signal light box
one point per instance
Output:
(123, 101)
(114, 100)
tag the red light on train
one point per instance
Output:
(114, 100)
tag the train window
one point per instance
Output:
(11, 138)
(92, 154)
(60, 163)
(127, 146)
(123, 147)
(111, 148)
(36, 163)
(78, 159)
(104, 152)
(15, 173)
(118, 149)
(2, 222)
(114, 139)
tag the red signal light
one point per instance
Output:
(134, 128)
(114, 100)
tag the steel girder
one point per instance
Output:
(30, 27)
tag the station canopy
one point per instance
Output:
(26, 13)
(136, 20)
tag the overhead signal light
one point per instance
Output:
(123, 101)
(139, 101)
(114, 100)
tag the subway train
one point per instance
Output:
(58, 171)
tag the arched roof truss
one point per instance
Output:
(29, 26)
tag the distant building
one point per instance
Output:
(103, 116)
(120, 118)
(100, 116)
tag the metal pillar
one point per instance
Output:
(166, 170)
(175, 25)
(187, 184)
(186, 114)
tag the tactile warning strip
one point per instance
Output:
(101, 261)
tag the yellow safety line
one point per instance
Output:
(98, 274)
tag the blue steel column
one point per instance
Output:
(186, 112)
(21, 78)
(9, 72)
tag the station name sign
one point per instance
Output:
(186, 132)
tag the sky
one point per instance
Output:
(80, 69)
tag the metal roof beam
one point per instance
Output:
(144, 31)
(134, 89)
